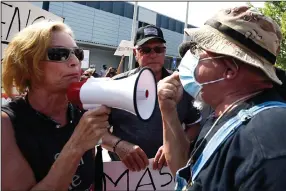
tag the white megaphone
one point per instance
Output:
(136, 94)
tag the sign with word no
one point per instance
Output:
(18, 15)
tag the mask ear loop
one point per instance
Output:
(235, 63)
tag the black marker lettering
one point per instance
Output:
(116, 182)
(6, 4)
(40, 17)
(28, 17)
(166, 173)
(151, 178)
(19, 21)
(4, 42)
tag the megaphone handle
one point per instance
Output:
(98, 169)
(98, 166)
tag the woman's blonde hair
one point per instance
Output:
(22, 56)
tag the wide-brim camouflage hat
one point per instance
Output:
(242, 33)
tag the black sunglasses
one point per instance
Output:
(60, 54)
(147, 50)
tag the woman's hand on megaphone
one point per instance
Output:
(170, 92)
(90, 129)
(132, 156)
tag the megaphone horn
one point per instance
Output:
(136, 94)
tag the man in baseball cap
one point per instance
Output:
(132, 140)
(229, 64)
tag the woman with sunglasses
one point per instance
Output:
(47, 142)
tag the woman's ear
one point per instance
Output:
(232, 69)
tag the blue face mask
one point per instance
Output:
(187, 73)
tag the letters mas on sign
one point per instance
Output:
(117, 177)
(18, 15)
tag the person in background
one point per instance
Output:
(134, 141)
(111, 72)
(46, 142)
(88, 73)
(120, 68)
(103, 71)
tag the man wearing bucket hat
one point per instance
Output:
(230, 66)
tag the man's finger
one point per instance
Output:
(166, 94)
(133, 163)
(173, 79)
(161, 161)
(143, 155)
(139, 161)
(156, 159)
(128, 162)
(169, 86)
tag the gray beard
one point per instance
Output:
(199, 103)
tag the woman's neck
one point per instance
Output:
(53, 105)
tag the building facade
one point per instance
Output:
(99, 27)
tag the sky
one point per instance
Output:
(199, 12)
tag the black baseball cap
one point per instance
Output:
(147, 33)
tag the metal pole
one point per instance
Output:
(133, 32)
(186, 22)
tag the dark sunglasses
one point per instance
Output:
(147, 50)
(61, 54)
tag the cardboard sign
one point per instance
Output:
(118, 177)
(85, 62)
(18, 15)
(125, 48)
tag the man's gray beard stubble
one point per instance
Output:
(199, 102)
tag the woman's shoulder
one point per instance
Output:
(14, 105)
(14, 110)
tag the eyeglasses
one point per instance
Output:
(147, 50)
(61, 54)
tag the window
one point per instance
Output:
(158, 20)
(128, 10)
(164, 22)
(106, 6)
(172, 24)
(81, 2)
(191, 26)
(118, 8)
(179, 27)
(93, 4)
(142, 24)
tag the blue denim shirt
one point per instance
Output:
(254, 158)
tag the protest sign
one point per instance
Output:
(118, 177)
(18, 15)
(125, 48)
(85, 62)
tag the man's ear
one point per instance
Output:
(232, 69)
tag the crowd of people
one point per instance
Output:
(233, 141)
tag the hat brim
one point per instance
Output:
(143, 41)
(212, 40)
